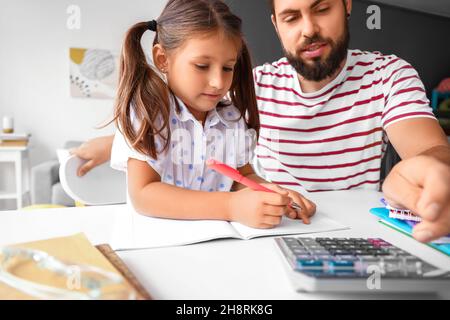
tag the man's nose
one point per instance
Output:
(309, 28)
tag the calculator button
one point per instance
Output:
(319, 252)
(370, 259)
(325, 257)
(350, 257)
(300, 251)
(340, 252)
(304, 257)
(308, 263)
(341, 263)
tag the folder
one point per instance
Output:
(405, 228)
(78, 250)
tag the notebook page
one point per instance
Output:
(135, 231)
(319, 223)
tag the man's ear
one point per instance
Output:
(274, 22)
(348, 7)
(160, 58)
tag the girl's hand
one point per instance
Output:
(308, 207)
(259, 209)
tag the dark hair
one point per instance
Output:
(141, 88)
(272, 5)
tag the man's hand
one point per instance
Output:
(95, 151)
(422, 184)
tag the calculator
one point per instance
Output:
(357, 265)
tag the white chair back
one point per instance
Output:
(100, 186)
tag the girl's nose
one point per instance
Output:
(216, 80)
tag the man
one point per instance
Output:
(327, 112)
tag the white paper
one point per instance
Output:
(135, 231)
(319, 223)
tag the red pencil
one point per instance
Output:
(238, 177)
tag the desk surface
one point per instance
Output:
(219, 269)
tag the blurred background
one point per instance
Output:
(58, 67)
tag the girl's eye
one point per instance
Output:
(202, 66)
(228, 69)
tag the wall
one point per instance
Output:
(34, 68)
(34, 84)
(419, 38)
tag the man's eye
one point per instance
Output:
(325, 9)
(290, 19)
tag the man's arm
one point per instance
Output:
(417, 136)
(96, 151)
(421, 182)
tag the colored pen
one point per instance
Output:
(238, 177)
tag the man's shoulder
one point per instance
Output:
(280, 70)
(280, 65)
(374, 60)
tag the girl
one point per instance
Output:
(173, 125)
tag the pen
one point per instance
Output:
(238, 177)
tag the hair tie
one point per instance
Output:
(151, 25)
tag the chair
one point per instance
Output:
(45, 185)
(100, 186)
(390, 159)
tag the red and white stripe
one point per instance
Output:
(334, 139)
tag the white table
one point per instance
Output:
(219, 269)
(20, 157)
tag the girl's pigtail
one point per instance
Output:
(142, 89)
(242, 92)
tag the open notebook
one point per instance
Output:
(135, 231)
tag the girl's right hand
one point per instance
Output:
(259, 209)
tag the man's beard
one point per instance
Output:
(320, 70)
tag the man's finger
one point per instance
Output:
(85, 168)
(402, 192)
(436, 193)
(427, 231)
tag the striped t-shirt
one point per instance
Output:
(334, 139)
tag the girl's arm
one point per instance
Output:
(153, 198)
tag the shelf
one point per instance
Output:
(7, 195)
